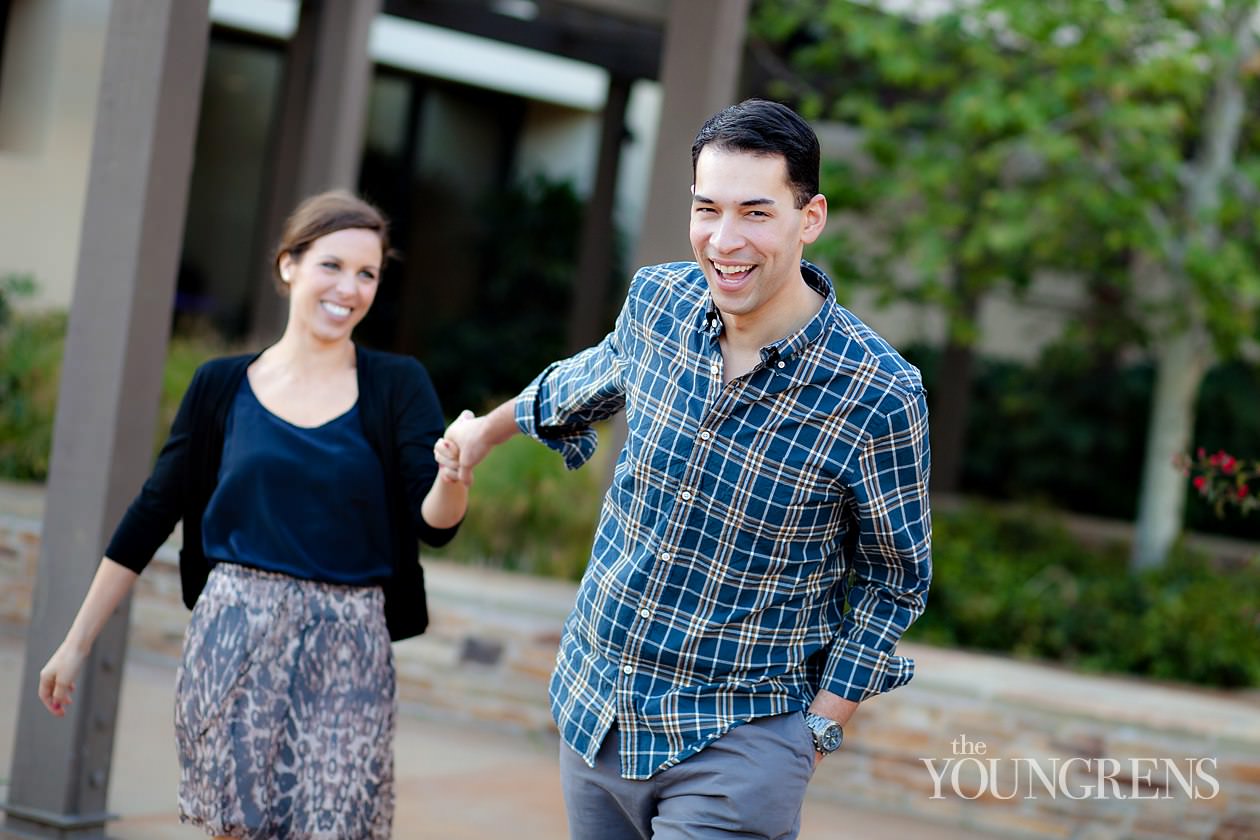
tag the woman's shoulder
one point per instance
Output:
(223, 365)
(220, 371)
(390, 366)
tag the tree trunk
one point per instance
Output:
(1182, 362)
(951, 405)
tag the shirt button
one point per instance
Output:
(715, 370)
(645, 613)
(686, 497)
(705, 435)
(665, 556)
(782, 365)
(627, 670)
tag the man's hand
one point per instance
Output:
(463, 447)
(831, 706)
(469, 440)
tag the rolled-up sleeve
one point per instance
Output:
(559, 406)
(892, 561)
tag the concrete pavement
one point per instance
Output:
(456, 780)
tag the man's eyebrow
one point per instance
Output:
(751, 202)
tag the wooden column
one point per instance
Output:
(594, 265)
(104, 432)
(704, 45)
(318, 142)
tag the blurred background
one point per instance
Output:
(1051, 207)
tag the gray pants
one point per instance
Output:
(749, 783)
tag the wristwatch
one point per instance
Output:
(828, 735)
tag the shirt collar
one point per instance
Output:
(787, 347)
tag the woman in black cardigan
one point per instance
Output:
(304, 476)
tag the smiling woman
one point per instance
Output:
(304, 476)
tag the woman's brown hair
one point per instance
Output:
(326, 213)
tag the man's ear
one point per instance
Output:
(814, 218)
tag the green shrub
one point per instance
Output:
(1018, 582)
(529, 513)
(184, 354)
(30, 362)
(1070, 430)
(31, 348)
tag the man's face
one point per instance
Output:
(747, 233)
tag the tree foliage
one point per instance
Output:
(1009, 136)
(1106, 141)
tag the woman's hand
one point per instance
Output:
(446, 453)
(56, 680)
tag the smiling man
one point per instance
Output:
(766, 538)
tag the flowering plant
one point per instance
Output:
(1223, 481)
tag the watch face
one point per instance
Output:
(827, 733)
(829, 739)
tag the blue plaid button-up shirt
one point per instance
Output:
(761, 539)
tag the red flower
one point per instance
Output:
(1228, 464)
(1200, 453)
(1200, 483)
(1243, 490)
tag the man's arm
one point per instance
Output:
(892, 557)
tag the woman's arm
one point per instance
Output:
(446, 502)
(56, 681)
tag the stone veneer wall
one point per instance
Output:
(492, 644)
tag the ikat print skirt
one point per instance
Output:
(285, 709)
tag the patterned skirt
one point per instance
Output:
(285, 709)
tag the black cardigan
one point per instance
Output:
(402, 420)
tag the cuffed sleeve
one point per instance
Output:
(559, 406)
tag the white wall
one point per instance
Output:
(1010, 327)
(48, 92)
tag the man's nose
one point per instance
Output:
(727, 236)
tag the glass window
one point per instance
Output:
(219, 272)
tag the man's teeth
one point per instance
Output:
(335, 309)
(732, 269)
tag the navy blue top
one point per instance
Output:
(306, 502)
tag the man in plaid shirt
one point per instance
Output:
(766, 539)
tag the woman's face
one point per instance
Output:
(332, 285)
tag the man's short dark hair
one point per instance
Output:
(763, 127)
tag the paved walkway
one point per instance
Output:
(456, 780)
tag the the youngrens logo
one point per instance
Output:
(969, 774)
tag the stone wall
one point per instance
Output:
(1010, 749)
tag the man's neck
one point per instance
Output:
(748, 334)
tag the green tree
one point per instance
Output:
(1003, 137)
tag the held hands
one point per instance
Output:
(56, 680)
(447, 455)
(462, 448)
